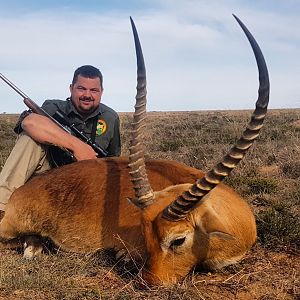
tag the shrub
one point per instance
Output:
(292, 169)
(169, 145)
(261, 185)
(278, 228)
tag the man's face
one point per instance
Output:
(86, 94)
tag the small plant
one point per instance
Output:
(252, 185)
(292, 169)
(169, 145)
(278, 228)
(261, 185)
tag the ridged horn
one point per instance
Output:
(143, 193)
(189, 200)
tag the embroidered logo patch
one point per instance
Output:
(101, 127)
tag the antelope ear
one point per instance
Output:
(221, 235)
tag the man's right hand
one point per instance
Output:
(83, 151)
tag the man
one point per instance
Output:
(33, 152)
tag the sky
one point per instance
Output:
(196, 55)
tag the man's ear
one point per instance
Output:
(70, 88)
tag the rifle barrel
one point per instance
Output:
(31, 104)
(13, 86)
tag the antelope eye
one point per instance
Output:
(177, 242)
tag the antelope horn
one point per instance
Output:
(186, 202)
(143, 193)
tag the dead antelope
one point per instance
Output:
(177, 217)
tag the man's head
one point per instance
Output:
(86, 89)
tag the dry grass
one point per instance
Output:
(269, 179)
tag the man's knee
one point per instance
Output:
(35, 160)
(26, 159)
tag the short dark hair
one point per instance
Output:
(88, 72)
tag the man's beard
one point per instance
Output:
(83, 109)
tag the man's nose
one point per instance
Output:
(87, 93)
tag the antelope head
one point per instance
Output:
(187, 224)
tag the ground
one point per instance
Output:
(268, 179)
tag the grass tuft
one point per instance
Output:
(261, 185)
(278, 229)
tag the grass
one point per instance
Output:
(278, 228)
(268, 179)
(254, 185)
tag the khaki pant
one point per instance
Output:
(26, 159)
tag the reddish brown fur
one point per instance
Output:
(83, 207)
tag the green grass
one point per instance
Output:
(278, 228)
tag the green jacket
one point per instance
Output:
(107, 132)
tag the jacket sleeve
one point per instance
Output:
(49, 106)
(18, 128)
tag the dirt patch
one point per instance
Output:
(269, 170)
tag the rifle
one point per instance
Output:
(62, 121)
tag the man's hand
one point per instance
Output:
(82, 151)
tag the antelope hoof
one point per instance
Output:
(32, 247)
